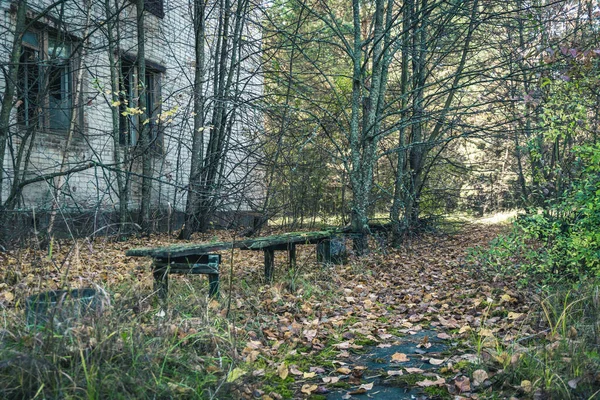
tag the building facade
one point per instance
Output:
(65, 149)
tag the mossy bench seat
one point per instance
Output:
(199, 258)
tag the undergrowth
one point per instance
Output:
(133, 350)
(554, 253)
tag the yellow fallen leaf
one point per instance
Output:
(486, 332)
(506, 298)
(235, 374)
(344, 370)
(526, 386)
(308, 389)
(308, 375)
(399, 357)
(8, 296)
(514, 315)
(282, 371)
(464, 329)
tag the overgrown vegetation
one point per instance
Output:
(555, 251)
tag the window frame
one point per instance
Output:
(128, 97)
(42, 114)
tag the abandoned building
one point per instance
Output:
(65, 145)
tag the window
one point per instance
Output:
(130, 91)
(45, 85)
(155, 7)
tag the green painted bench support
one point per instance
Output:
(207, 264)
(269, 253)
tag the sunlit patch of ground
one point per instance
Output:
(505, 217)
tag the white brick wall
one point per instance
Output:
(170, 44)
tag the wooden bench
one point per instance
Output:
(200, 258)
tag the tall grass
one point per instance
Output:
(562, 359)
(133, 350)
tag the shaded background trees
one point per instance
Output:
(310, 111)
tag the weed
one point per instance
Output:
(563, 363)
(437, 392)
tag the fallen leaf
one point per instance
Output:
(399, 357)
(506, 298)
(344, 370)
(342, 345)
(295, 371)
(331, 379)
(526, 386)
(310, 334)
(235, 374)
(252, 356)
(479, 376)
(282, 371)
(465, 328)
(414, 370)
(443, 336)
(308, 375)
(514, 315)
(394, 373)
(485, 332)
(362, 389)
(427, 382)
(436, 361)
(463, 384)
(573, 383)
(308, 389)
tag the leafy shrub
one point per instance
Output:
(560, 242)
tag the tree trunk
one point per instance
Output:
(145, 140)
(195, 183)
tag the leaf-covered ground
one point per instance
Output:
(299, 336)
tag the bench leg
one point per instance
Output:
(161, 283)
(269, 263)
(213, 285)
(292, 255)
(324, 252)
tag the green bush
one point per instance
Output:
(561, 242)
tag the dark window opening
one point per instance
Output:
(155, 7)
(130, 114)
(45, 84)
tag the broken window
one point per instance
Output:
(131, 116)
(45, 81)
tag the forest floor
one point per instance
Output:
(436, 326)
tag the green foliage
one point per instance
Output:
(560, 242)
